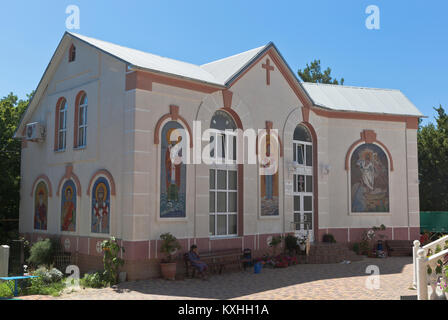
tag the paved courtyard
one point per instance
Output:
(300, 282)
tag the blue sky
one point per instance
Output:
(409, 52)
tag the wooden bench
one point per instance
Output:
(399, 247)
(217, 261)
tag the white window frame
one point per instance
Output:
(82, 126)
(227, 191)
(62, 130)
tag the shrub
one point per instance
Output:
(169, 246)
(329, 238)
(40, 287)
(94, 280)
(111, 260)
(41, 253)
(356, 248)
(275, 241)
(49, 275)
(291, 243)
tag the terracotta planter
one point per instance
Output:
(168, 270)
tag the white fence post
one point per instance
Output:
(422, 282)
(4, 261)
(414, 260)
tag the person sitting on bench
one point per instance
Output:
(195, 261)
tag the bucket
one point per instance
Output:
(257, 267)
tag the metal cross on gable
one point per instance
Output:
(268, 68)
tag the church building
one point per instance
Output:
(226, 155)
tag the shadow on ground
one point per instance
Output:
(237, 284)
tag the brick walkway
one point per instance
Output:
(325, 281)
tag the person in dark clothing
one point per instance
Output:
(196, 262)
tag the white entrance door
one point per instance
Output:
(303, 205)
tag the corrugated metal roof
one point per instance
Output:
(224, 69)
(359, 99)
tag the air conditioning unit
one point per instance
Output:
(35, 132)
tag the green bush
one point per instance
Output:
(329, 238)
(40, 287)
(291, 243)
(41, 253)
(93, 280)
(356, 248)
(49, 275)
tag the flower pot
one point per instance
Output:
(122, 276)
(168, 270)
(446, 295)
(302, 246)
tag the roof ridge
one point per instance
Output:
(234, 55)
(344, 86)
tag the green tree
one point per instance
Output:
(432, 142)
(11, 110)
(313, 73)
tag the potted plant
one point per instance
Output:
(291, 244)
(169, 247)
(275, 241)
(302, 242)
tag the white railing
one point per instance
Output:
(425, 258)
(430, 246)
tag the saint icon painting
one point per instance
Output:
(369, 179)
(40, 206)
(173, 172)
(100, 206)
(68, 207)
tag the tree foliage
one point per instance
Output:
(433, 163)
(313, 73)
(11, 110)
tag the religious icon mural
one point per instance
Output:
(40, 206)
(100, 206)
(68, 206)
(269, 176)
(369, 179)
(173, 171)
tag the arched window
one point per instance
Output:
(68, 206)
(72, 53)
(81, 120)
(369, 175)
(223, 186)
(173, 171)
(40, 206)
(100, 206)
(303, 180)
(61, 125)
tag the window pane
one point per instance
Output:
(222, 224)
(295, 183)
(294, 152)
(232, 180)
(211, 202)
(308, 220)
(212, 146)
(62, 120)
(81, 116)
(222, 202)
(234, 148)
(212, 225)
(212, 179)
(233, 224)
(296, 203)
(301, 134)
(222, 179)
(81, 137)
(300, 154)
(297, 220)
(301, 184)
(309, 183)
(309, 156)
(232, 202)
(308, 203)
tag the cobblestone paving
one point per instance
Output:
(300, 282)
